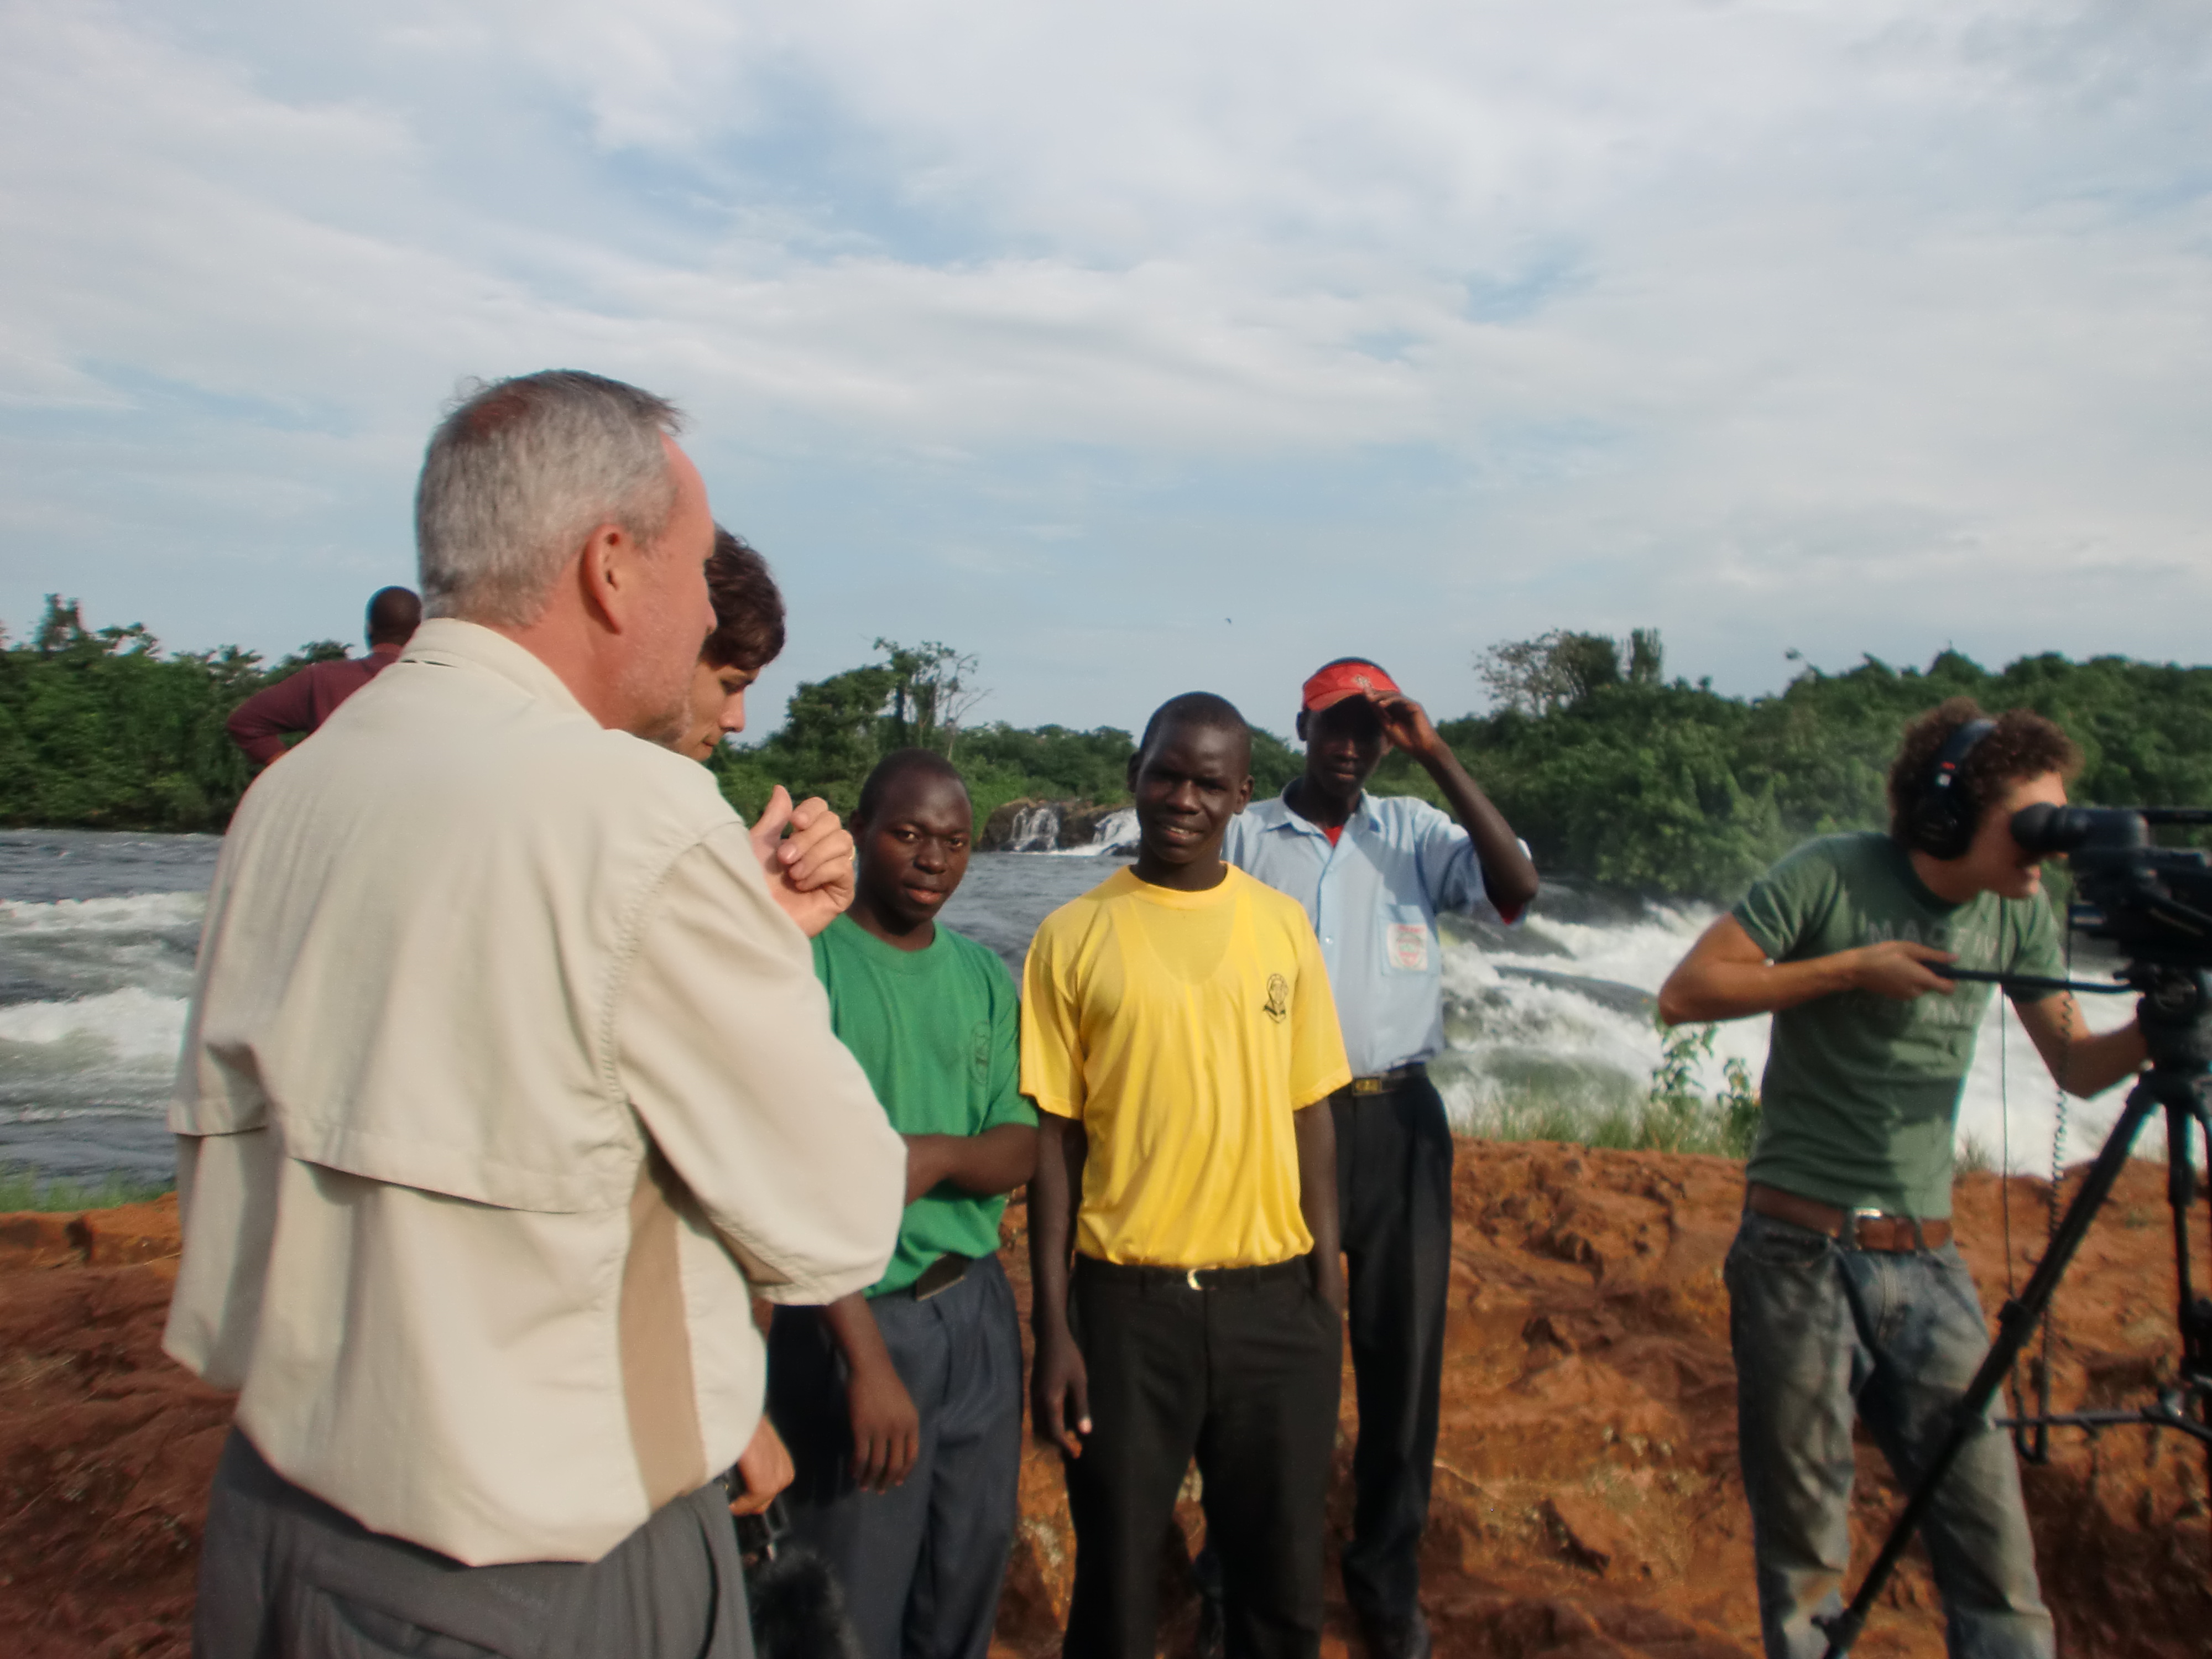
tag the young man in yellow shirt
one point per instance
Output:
(1180, 1041)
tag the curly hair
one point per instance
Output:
(2023, 745)
(748, 607)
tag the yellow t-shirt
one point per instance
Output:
(1181, 1030)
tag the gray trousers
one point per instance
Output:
(922, 1565)
(285, 1575)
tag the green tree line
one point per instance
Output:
(834, 729)
(1614, 773)
(1611, 771)
(100, 730)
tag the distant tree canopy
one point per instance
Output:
(1545, 674)
(834, 729)
(1610, 771)
(1668, 786)
(100, 730)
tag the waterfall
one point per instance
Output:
(1062, 826)
(1116, 832)
(1036, 829)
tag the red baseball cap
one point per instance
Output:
(1352, 677)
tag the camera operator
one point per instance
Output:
(1845, 1291)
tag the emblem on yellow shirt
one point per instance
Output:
(1278, 1006)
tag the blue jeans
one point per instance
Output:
(1820, 1331)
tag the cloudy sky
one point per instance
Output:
(1143, 347)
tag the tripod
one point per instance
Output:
(2175, 1013)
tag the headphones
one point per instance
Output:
(1944, 818)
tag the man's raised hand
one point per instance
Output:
(1406, 723)
(807, 856)
(1898, 969)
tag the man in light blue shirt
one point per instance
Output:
(1373, 873)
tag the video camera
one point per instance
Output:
(2153, 903)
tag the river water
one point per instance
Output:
(98, 931)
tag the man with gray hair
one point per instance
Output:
(507, 1081)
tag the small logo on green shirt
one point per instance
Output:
(1278, 1007)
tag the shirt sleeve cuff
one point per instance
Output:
(1756, 932)
(1337, 1080)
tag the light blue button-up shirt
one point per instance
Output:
(1373, 899)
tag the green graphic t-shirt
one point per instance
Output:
(1861, 1096)
(936, 1030)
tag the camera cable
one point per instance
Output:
(2047, 1357)
(2032, 1437)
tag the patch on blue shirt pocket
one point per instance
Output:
(1406, 944)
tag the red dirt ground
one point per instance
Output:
(1587, 1499)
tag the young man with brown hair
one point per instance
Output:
(1846, 1294)
(748, 636)
(1180, 1041)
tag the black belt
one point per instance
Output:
(939, 1275)
(1390, 1082)
(1144, 1276)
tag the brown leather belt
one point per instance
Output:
(1868, 1230)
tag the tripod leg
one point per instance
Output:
(2194, 1314)
(2180, 1193)
(2014, 1325)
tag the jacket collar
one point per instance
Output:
(449, 642)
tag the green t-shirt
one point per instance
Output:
(1861, 1096)
(935, 1029)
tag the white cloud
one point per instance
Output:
(1835, 325)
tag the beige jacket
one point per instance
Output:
(504, 1074)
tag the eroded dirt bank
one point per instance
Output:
(1587, 1498)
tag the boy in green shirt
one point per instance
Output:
(902, 1406)
(1846, 1295)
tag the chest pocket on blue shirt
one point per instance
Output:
(1408, 945)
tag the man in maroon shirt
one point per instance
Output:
(300, 702)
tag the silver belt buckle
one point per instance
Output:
(1190, 1278)
(1858, 1215)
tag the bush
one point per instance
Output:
(22, 1189)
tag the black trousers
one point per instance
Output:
(922, 1565)
(285, 1575)
(1394, 1166)
(1240, 1372)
